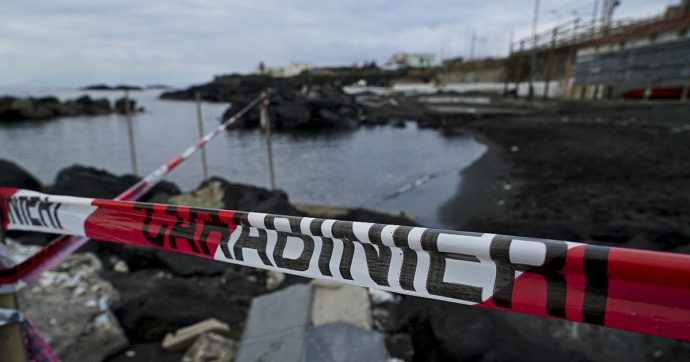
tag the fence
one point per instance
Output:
(575, 32)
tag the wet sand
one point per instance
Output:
(480, 191)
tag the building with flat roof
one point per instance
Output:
(653, 54)
(410, 60)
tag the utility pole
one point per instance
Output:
(535, 19)
(200, 124)
(472, 44)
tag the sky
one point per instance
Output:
(79, 42)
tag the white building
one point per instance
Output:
(410, 60)
(289, 70)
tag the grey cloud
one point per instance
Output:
(72, 42)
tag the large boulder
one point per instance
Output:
(155, 302)
(443, 331)
(314, 107)
(292, 114)
(214, 193)
(217, 193)
(121, 106)
(88, 106)
(19, 109)
(70, 305)
(251, 198)
(91, 182)
(12, 175)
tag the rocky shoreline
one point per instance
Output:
(13, 109)
(607, 174)
(149, 293)
(615, 175)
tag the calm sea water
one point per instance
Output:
(409, 169)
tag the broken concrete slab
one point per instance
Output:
(274, 279)
(211, 347)
(184, 337)
(341, 302)
(70, 305)
(277, 326)
(342, 341)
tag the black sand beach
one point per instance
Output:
(616, 176)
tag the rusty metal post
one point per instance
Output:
(11, 336)
(266, 122)
(130, 133)
(200, 123)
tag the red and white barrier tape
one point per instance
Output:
(641, 291)
(61, 247)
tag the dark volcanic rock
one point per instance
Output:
(453, 332)
(310, 108)
(20, 109)
(252, 198)
(85, 105)
(11, 175)
(155, 303)
(291, 114)
(235, 89)
(101, 86)
(128, 87)
(188, 265)
(121, 106)
(91, 182)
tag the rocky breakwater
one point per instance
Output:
(296, 103)
(13, 109)
(308, 108)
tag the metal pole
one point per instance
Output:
(506, 77)
(533, 69)
(549, 64)
(200, 123)
(130, 132)
(266, 122)
(11, 337)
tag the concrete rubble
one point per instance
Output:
(184, 337)
(70, 305)
(320, 321)
(277, 325)
(341, 341)
(211, 347)
(340, 302)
